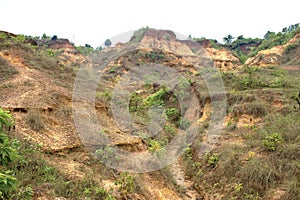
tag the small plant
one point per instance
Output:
(173, 113)
(25, 193)
(231, 126)
(170, 129)
(188, 153)
(182, 88)
(250, 155)
(212, 159)
(238, 187)
(7, 183)
(113, 69)
(156, 99)
(19, 39)
(136, 103)
(184, 123)
(197, 168)
(155, 146)
(105, 95)
(106, 153)
(50, 53)
(35, 121)
(126, 183)
(272, 141)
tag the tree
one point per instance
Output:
(241, 37)
(99, 48)
(45, 36)
(107, 43)
(54, 37)
(285, 30)
(228, 39)
(269, 35)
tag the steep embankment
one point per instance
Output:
(256, 155)
(287, 54)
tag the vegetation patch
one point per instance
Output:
(6, 71)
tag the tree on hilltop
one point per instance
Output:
(228, 39)
(107, 43)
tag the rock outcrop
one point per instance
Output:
(165, 39)
(223, 59)
(62, 44)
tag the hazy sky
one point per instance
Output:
(93, 21)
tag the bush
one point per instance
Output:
(7, 183)
(8, 152)
(154, 146)
(173, 113)
(157, 99)
(272, 141)
(212, 159)
(170, 129)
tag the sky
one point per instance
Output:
(93, 21)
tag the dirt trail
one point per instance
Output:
(155, 188)
(193, 114)
(182, 180)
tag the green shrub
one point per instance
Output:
(135, 102)
(51, 53)
(126, 183)
(156, 99)
(7, 183)
(272, 141)
(272, 39)
(19, 38)
(173, 113)
(170, 129)
(188, 153)
(8, 153)
(84, 50)
(154, 146)
(105, 95)
(212, 159)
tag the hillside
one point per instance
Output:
(153, 91)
